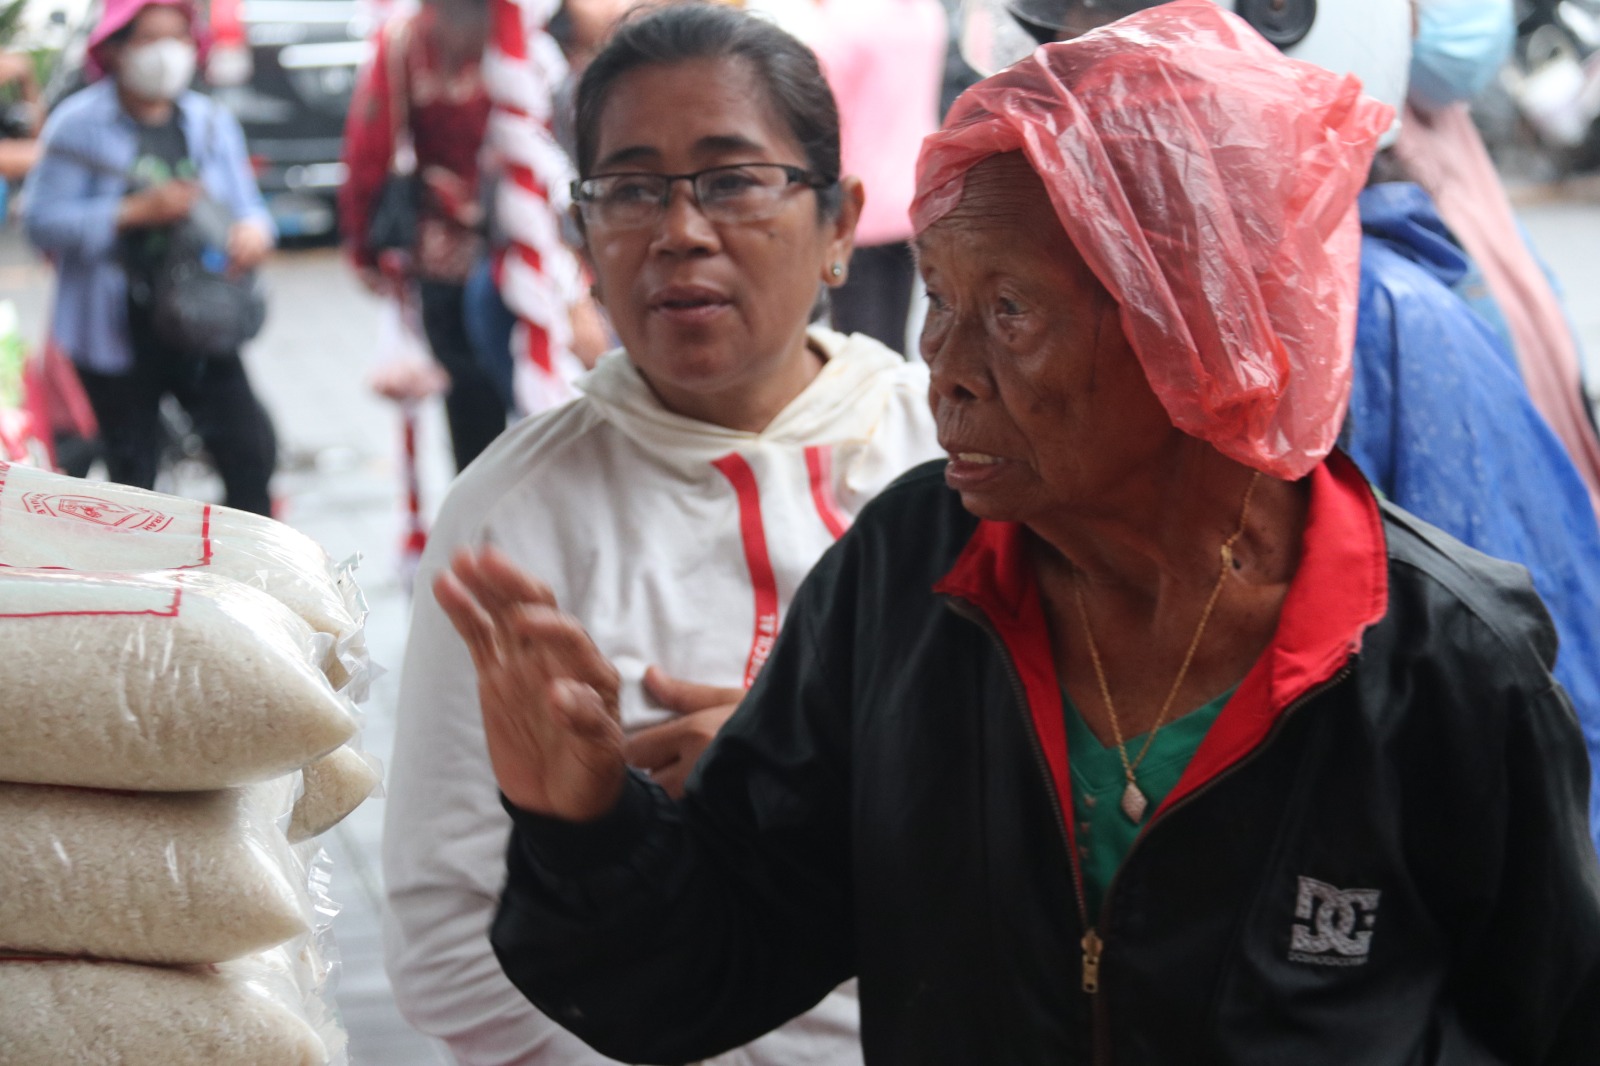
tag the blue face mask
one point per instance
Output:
(1460, 46)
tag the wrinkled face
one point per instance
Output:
(1039, 399)
(712, 314)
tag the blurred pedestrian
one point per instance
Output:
(885, 62)
(136, 170)
(1459, 48)
(418, 119)
(20, 117)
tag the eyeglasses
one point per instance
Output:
(744, 192)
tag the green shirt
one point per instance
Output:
(1103, 833)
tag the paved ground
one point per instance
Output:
(341, 483)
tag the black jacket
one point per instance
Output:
(1378, 857)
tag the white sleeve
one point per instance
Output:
(444, 845)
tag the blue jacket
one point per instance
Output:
(1441, 422)
(73, 195)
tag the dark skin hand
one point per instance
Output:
(549, 698)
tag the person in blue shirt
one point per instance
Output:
(1441, 423)
(122, 162)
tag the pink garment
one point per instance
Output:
(118, 13)
(1445, 155)
(885, 62)
(1210, 183)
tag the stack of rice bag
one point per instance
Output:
(176, 719)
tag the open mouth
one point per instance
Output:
(977, 457)
(688, 300)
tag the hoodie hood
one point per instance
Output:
(843, 403)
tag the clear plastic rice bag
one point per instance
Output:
(245, 1013)
(1210, 183)
(179, 681)
(333, 787)
(170, 878)
(51, 520)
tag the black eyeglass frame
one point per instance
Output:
(796, 175)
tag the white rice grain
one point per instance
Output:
(197, 877)
(158, 682)
(335, 785)
(112, 1014)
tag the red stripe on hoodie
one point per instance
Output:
(1340, 589)
(819, 466)
(753, 532)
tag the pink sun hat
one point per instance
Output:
(119, 13)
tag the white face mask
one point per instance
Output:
(160, 70)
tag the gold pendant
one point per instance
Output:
(1134, 804)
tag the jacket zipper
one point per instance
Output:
(1105, 906)
(1091, 944)
(1093, 947)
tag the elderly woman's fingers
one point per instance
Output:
(486, 586)
(582, 710)
(500, 585)
(471, 620)
(564, 649)
(510, 581)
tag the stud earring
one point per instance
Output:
(837, 270)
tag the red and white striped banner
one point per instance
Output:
(537, 273)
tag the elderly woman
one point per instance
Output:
(1138, 732)
(676, 506)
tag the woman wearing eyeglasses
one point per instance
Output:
(675, 506)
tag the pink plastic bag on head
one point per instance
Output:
(1210, 183)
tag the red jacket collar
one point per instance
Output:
(1340, 589)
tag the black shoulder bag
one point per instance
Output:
(196, 308)
(393, 225)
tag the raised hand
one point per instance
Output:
(549, 697)
(670, 750)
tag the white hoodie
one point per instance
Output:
(676, 543)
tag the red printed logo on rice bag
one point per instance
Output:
(108, 514)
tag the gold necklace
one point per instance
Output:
(1134, 802)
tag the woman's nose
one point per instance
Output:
(683, 227)
(957, 368)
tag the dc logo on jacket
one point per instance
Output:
(1336, 924)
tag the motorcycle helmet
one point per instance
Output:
(1368, 38)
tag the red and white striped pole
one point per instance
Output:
(537, 273)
